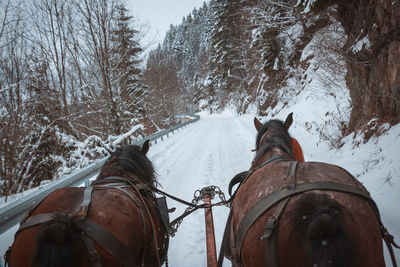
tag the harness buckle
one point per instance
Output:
(269, 228)
(82, 212)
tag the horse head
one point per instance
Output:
(273, 139)
(130, 162)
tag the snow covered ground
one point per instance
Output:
(214, 149)
(209, 152)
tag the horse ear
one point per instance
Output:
(289, 120)
(145, 147)
(257, 124)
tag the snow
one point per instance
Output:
(361, 44)
(128, 134)
(209, 152)
(218, 146)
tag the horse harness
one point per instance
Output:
(92, 231)
(280, 198)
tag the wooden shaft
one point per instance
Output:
(210, 236)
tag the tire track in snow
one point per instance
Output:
(209, 152)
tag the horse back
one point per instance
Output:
(119, 214)
(359, 220)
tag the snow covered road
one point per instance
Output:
(208, 152)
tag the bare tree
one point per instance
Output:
(13, 68)
(165, 95)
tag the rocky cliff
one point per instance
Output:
(373, 59)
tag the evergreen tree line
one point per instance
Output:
(69, 70)
(226, 52)
(239, 53)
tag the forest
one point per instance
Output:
(74, 76)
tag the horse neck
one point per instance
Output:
(274, 151)
(125, 175)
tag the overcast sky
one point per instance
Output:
(160, 14)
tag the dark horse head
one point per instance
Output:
(130, 161)
(274, 134)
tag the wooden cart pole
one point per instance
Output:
(210, 236)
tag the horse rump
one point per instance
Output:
(318, 228)
(58, 244)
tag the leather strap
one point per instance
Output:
(95, 260)
(106, 240)
(271, 235)
(224, 242)
(35, 220)
(242, 177)
(271, 159)
(84, 207)
(273, 220)
(291, 175)
(237, 179)
(162, 210)
(264, 204)
(112, 179)
(389, 241)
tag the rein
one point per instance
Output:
(242, 177)
(193, 206)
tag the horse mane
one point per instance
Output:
(297, 150)
(128, 161)
(278, 137)
(58, 244)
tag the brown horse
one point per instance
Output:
(292, 213)
(114, 222)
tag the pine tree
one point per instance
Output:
(272, 17)
(40, 145)
(226, 45)
(127, 76)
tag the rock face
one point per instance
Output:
(373, 59)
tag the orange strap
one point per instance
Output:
(297, 150)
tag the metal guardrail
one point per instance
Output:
(12, 213)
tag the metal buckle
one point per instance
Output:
(269, 228)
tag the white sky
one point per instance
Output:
(160, 14)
